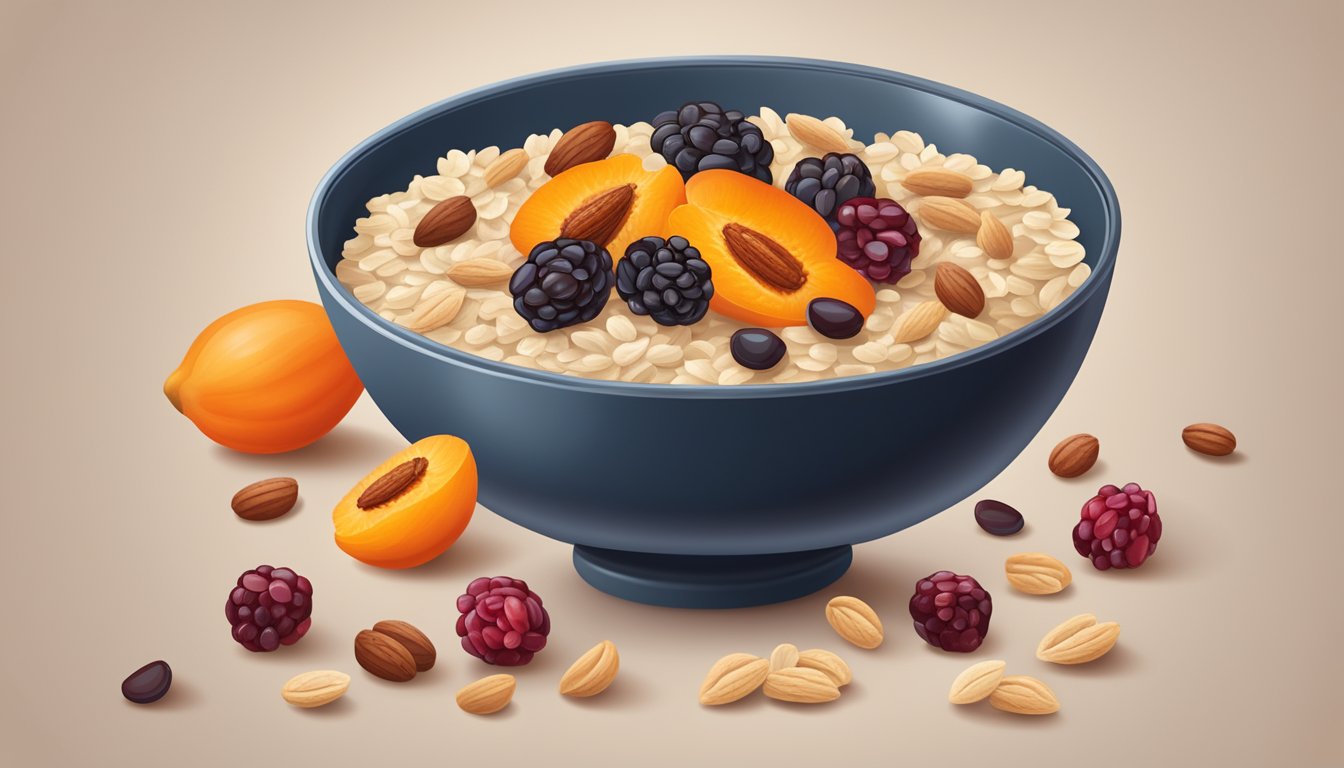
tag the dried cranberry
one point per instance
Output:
(502, 621)
(951, 611)
(1119, 527)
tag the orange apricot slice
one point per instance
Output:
(611, 202)
(411, 508)
(770, 253)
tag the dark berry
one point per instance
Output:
(148, 683)
(998, 518)
(757, 348)
(951, 611)
(833, 318)
(665, 279)
(876, 237)
(825, 183)
(269, 607)
(1119, 527)
(502, 621)
(702, 136)
(563, 282)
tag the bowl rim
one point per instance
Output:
(1100, 276)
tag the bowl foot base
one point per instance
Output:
(710, 581)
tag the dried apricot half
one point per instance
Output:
(411, 508)
(771, 254)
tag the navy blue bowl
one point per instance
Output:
(709, 496)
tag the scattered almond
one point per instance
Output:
(1074, 455)
(825, 661)
(475, 272)
(445, 222)
(919, 321)
(1079, 640)
(801, 685)
(435, 312)
(487, 695)
(814, 133)
(584, 143)
(266, 499)
(593, 672)
(937, 181)
(977, 682)
(412, 639)
(1036, 573)
(1209, 439)
(315, 689)
(950, 214)
(958, 290)
(1023, 695)
(855, 621)
(383, 656)
(733, 677)
(993, 237)
(505, 167)
(784, 656)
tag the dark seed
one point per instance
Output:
(148, 683)
(833, 318)
(997, 518)
(757, 348)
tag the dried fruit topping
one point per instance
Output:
(826, 183)
(563, 282)
(757, 348)
(148, 683)
(1120, 527)
(877, 237)
(997, 518)
(702, 136)
(502, 621)
(834, 319)
(269, 607)
(951, 611)
(666, 280)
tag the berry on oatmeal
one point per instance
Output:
(877, 237)
(563, 282)
(826, 183)
(666, 280)
(833, 318)
(702, 136)
(951, 611)
(757, 348)
(1119, 528)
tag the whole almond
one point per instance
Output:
(266, 499)
(1079, 640)
(1036, 573)
(487, 695)
(505, 167)
(976, 682)
(919, 321)
(784, 656)
(593, 672)
(855, 621)
(475, 272)
(733, 677)
(435, 312)
(950, 214)
(412, 639)
(958, 290)
(1209, 439)
(937, 181)
(993, 237)
(825, 661)
(1023, 695)
(445, 222)
(1074, 455)
(801, 685)
(315, 689)
(383, 656)
(581, 144)
(814, 133)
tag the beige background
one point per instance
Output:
(157, 163)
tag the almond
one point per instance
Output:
(976, 682)
(581, 144)
(937, 181)
(475, 272)
(505, 167)
(958, 290)
(1036, 573)
(435, 312)
(445, 222)
(950, 214)
(1209, 439)
(412, 639)
(266, 499)
(393, 483)
(919, 322)
(855, 621)
(764, 259)
(593, 672)
(601, 216)
(315, 689)
(487, 695)
(1074, 455)
(1079, 640)
(383, 656)
(1023, 695)
(733, 677)
(814, 133)
(801, 685)
(834, 666)
(993, 237)
(784, 656)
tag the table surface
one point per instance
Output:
(158, 159)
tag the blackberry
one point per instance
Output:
(702, 136)
(665, 279)
(951, 611)
(269, 608)
(563, 282)
(502, 621)
(824, 183)
(1119, 528)
(877, 237)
